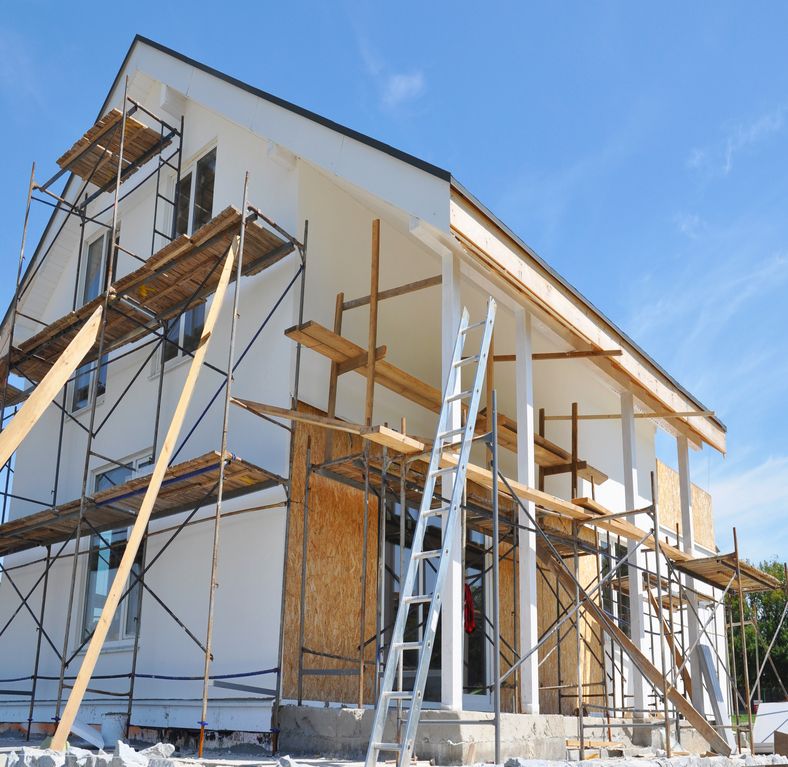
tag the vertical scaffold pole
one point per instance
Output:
(289, 506)
(660, 622)
(111, 254)
(745, 667)
(222, 462)
(304, 556)
(39, 633)
(493, 422)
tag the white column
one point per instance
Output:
(688, 545)
(636, 602)
(526, 540)
(452, 639)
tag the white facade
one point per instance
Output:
(299, 170)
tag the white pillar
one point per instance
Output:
(526, 540)
(688, 545)
(452, 640)
(636, 603)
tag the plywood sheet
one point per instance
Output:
(333, 585)
(670, 506)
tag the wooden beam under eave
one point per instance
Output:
(518, 272)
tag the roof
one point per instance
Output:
(416, 162)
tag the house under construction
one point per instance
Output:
(303, 446)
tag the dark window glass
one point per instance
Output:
(193, 322)
(184, 203)
(203, 190)
(80, 393)
(81, 390)
(94, 260)
(106, 551)
(171, 333)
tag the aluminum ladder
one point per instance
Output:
(447, 435)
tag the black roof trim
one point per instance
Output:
(575, 292)
(398, 154)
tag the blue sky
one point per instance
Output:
(640, 150)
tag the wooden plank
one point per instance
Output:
(260, 408)
(410, 287)
(571, 355)
(617, 416)
(649, 671)
(381, 435)
(41, 398)
(140, 524)
(394, 440)
(356, 362)
(369, 400)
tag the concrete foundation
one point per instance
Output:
(344, 733)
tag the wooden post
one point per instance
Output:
(333, 379)
(41, 398)
(373, 322)
(143, 515)
(575, 450)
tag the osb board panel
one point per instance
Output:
(333, 584)
(548, 607)
(669, 497)
(507, 595)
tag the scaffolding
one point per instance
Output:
(132, 314)
(386, 466)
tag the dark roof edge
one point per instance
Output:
(398, 154)
(577, 294)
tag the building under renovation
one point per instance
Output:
(304, 447)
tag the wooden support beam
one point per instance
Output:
(678, 658)
(646, 668)
(143, 515)
(573, 355)
(41, 398)
(333, 376)
(617, 416)
(373, 322)
(410, 287)
(564, 468)
(354, 363)
(381, 435)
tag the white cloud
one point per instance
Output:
(395, 89)
(690, 224)
(400, 88)
(754, 500)
(718, 158)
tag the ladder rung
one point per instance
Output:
(401, 646)
(466, 361)
(460, 395)
(418, 599)
(429, 554)
(444, 470)
(397, 695)
(435, 512)
(387, 747)
(449, 433)
(475, 325)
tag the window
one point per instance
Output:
(106, 550)
(194, 209)
(92, 286)
(615, 592)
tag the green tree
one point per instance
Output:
(764, 609)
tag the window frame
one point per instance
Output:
(142, 462)
(190, 170)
